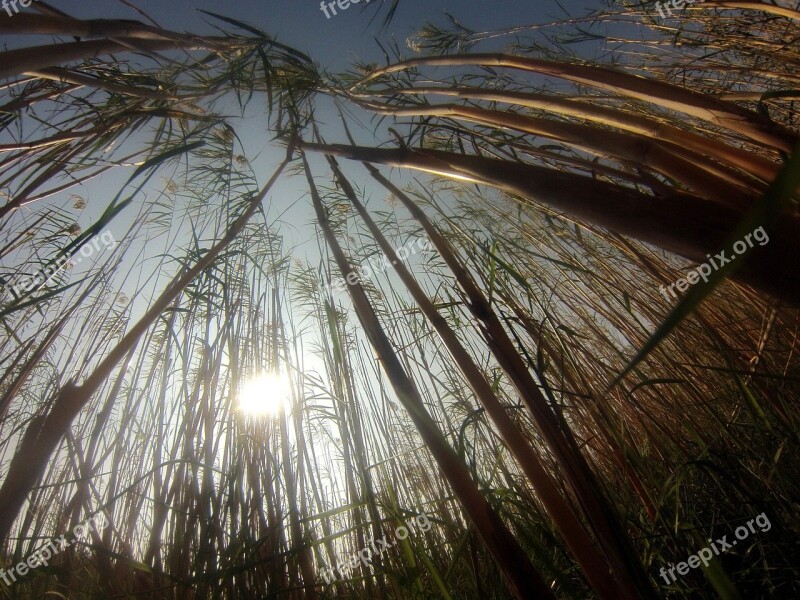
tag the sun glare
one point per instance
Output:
(265, 395)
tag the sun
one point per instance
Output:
(265, 394)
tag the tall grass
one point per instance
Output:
(476, 383)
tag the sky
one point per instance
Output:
(333, 42)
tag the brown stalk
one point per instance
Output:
(571, 529)
(762, 6)
(706, 108)
(502, 152)
(747, 161)
(522, 577)
(691, 169)
(681, 223)
(624, 562)
(17, 62)
(32, 24)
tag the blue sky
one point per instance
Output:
(336, 41)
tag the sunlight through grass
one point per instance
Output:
(266, 394)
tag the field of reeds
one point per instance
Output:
(521, 381)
